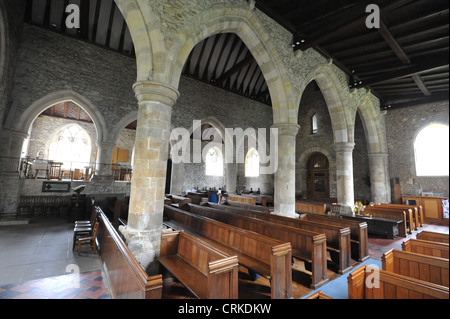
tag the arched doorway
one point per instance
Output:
(318, 185)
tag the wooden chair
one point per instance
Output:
(84, 228)
(89, 241)
(87, 223)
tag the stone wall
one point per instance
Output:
(402, 126)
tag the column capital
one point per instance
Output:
(105, 145)
(344, 146)
(290, 129)
(156, 91)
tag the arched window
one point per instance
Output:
(314, 125)
(214, 162)
(431, 151)
(72, 146)
(252, 163)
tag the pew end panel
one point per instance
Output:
(371, 283)
(207, 272)
(426, 247)
(418, 266)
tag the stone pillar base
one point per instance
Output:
(144, 245)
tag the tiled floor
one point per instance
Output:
(88, 285)
(39, 255)
(378, 246)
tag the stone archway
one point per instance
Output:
(375, 132)
(242, 22)
(335, 95)
(25, 121)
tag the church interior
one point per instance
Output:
(224, 149)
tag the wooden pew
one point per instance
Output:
(337, 237)
(125, 276)
(307, 245)
(426, 247)
(433, 236)
(207, 272)
(247, 206)
(418, 266)
(415, 225)
(358, 233)
(243, 199)
(306, 207)
(387, 213)
(178, 201)
(266, 256)
(371, 283)
(418, 211)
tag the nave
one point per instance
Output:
(34, 260)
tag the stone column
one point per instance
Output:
(284, 188)
(104, 160)
(231, 177)
(379, 180)
(10, 183)
(344, 176)
(11, 148)
(143, 232)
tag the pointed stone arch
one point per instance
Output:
(148, 41)
(335, 97)
(123, 123)
(243, 23)
(375, 132)
(26, 119)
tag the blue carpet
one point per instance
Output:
(337, 288)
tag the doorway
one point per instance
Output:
(318, 176)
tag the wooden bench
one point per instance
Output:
(266, 256)
(125, 276)
(178, 201)
(415, 221)
(418, 212)
(337, 237)
(387, 213)
(433, 236)
(426, 247)
(423, 267)
(371, 283)
(243, 199)
(197, 198)
(247, 206)
(307, 245)
(379, 226)
(305, 207)
(358, 233)
(207, 272)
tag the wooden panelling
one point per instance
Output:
(125, 276)
(423, 267)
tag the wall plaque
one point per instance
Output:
(56, 187)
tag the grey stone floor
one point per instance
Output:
(41, 249)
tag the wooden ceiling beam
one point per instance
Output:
(392, 43)
(359, 16)
(424, 65)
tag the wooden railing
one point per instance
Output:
(125, 276)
